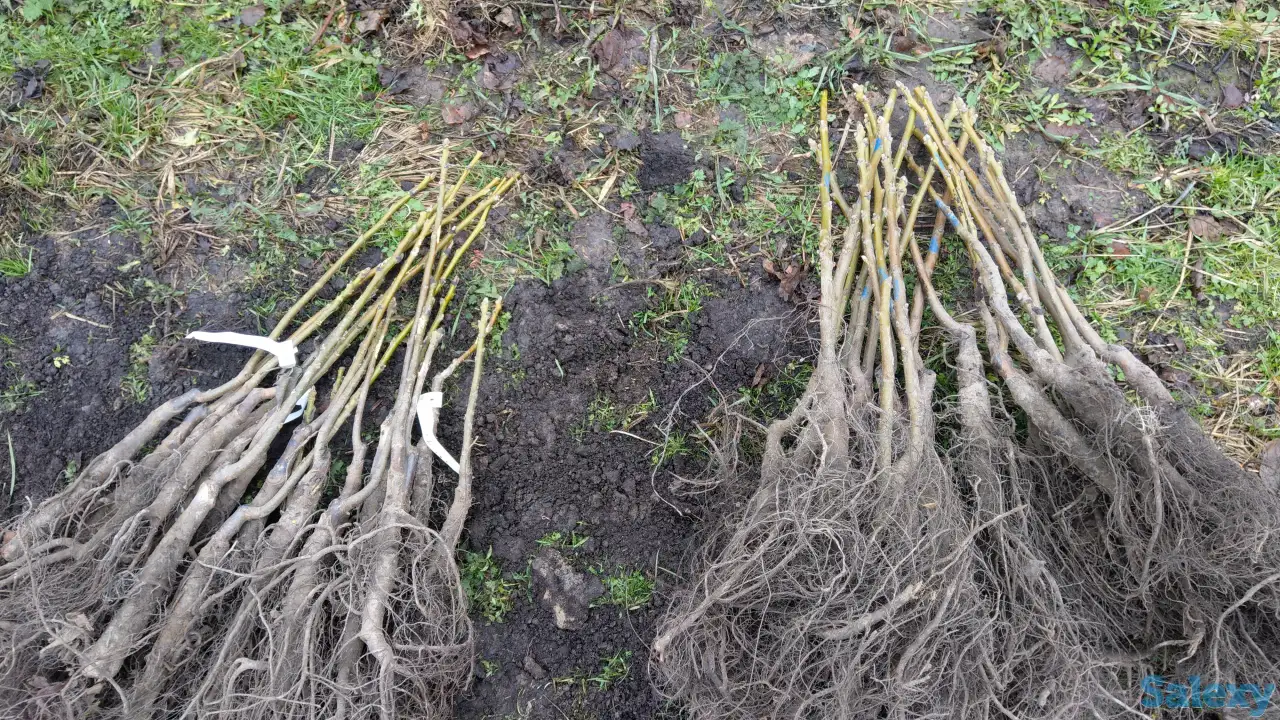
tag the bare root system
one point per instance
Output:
(1030, 545)
(225, 559)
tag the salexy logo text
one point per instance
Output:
(1253, 697)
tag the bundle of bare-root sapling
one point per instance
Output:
(1169, 547)
(1075, 533)
(852, 586)
(234, 555)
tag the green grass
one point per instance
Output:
(604, 415)
(490, 593)
(777, 395)
(15, 265)
(629, 590)
(668, 318)
(14, 398)
(571, 540)
(135, 384)
(674, 444)
(613, 670)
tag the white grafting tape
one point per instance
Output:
(286, 352)
(429, 404)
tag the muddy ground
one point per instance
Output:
(548, 460)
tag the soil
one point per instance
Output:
(535, 477)
(68, 327)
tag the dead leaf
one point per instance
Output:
(758, 380)
(1120, 248)
(1232, 97)
(508, 17)
(628, 210)
(684, 119)
(424, 131)
(611, 51)
(635, 227)
(1206, 227)
(458, 114)
(1269, 470)
(851, 27)
(29, 82)
(252, 15)
(1053, 69)
(468, 35)
(370, 20)
(907, 41)
(1144, 294)
(499, 70)
(1198, 280)
(788, 280)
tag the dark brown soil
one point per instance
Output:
(67, 329)
(536, 477)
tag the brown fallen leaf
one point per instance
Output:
(628, 210)
(1120, 248)
(499, 71)
(1053, 69)
(791, 278)
(684, 119)
(424, 131)
(759, 378)
(369, 21)
(1144, 294)
(468, 35)
(507, 17)
(252, 15)
(1206, 227)
(611, 50)
(1198, 280)
(635, 227)
(1232, 97)
(458, 114)
(788, 280)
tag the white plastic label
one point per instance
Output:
(298, 409)
(286, 352)
(429, 404)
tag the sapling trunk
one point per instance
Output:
(1075, 533)
(205, 576)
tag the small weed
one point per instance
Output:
(61, 361)
(626, 590)
(674, 444)
(613, 669)
(490, 667)
(777, 395)
(668, 317)
(69, 473)
(14, 398)
(558, 539)
(1130, 153)
(14, 264)
(135, 385)
(488, 592)
(604, 416)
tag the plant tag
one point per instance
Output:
(286, 352)
(429, 404)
